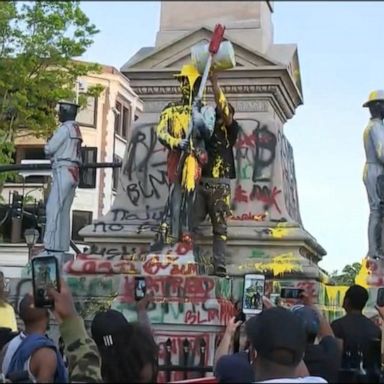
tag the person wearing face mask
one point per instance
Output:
(374, 172)
(186, 154)
(64, 151)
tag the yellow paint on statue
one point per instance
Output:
(189, 173)
(217, 167)
(362, 277)
(335, 295)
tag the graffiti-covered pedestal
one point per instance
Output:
(265, 232)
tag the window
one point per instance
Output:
(122, 119)
(87, 116)
(88, 176)
(28, 153)
(116, 173)
(80, 219)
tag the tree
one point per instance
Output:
(348, 274)
(38, 43)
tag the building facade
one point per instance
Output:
(105, 124)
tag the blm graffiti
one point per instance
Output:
(257, 194)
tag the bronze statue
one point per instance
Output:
(64, 150)
(374, 172)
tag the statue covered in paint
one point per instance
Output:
(64, 150)
(374, 172)
(183, 128)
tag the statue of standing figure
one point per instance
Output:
(183, 128)
(64, 150)
(374, 172)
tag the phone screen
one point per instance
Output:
(291, 293)
(45, 274)
(253, 293)
(380, 297)
(140, 288)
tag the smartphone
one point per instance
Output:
(291, 293)
(45, 274)
(380, 297)
(253, 294)
(140, 287)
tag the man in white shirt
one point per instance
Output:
(279, 339)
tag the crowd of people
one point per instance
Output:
(281, 344)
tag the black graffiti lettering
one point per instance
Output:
(100, 224)
(265, 151)
(133, 194)
(115, 227)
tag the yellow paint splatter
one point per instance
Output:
(284, 263)
(362, 277)
(189, 173)
(279, 233)
(335, 295)
(217, 167)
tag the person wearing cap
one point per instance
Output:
(279, 338)
(128, 351)
(373, 176)
(64, 151)
(172, 131)
(324, 358)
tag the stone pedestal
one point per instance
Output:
(265, 235)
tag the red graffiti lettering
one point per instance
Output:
(240, 195)
(249, 216)
(197, 318)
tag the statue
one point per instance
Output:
(64, 150)
(374, 172)
(213, 195)
(182, 128)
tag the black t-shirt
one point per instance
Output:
(356, 331)
(323, 359)
(221, 163)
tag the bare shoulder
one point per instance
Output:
(43, 356)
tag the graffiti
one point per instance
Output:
(289, 179)
(257, 149)
(122, 252)
(240, 195)
(145, 171)
(249, 216)
(120, 214)
(277, 265)
(101, 266)
(183, 349)
(171, 266)
(265, 195)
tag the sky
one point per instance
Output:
(341, 52)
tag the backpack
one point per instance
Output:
(28, 346)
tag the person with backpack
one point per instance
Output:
(32, 351)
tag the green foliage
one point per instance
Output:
(347, 276)
(38, 41)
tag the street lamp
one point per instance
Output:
(31, 236)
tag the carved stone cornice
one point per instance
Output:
(228, 89)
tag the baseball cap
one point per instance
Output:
(234, 369)
(277, 335)
(106, 325)
(309, 318)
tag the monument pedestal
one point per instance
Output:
(265, 232)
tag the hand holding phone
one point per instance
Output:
(291, 293)
(140, 288)
(45, 276)
(253, 294)
(63, 302)
(380, 297)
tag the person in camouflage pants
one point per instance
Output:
(213, 195)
